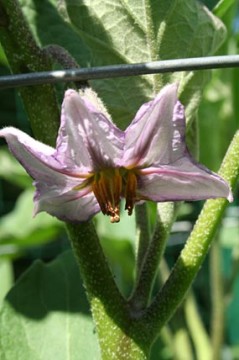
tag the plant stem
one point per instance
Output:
(25, 56)
(141, 294)
(195, 250)
(115, 326)
(142, 227)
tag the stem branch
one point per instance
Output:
(195, 250)
(141, 294)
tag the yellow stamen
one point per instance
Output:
(108, 186)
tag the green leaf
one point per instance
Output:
(136, 31)
(52, 15)
(20, 229)
(222, 7)
(118, 32)
(12, 171)
(46, 315)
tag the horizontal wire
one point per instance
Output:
(122, 70)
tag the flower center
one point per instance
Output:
(109, 186)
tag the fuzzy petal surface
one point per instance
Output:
(183, 180)
(156, 135)
(72, 206)
(52, 185)
(87, 139)
(151, 157)
(36, 157)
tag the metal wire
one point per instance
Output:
(123, 70)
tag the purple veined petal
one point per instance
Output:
(39, 162)
(54, 192)
(72, 206)
(156, 135)
(86, 137)
(36, 157)
(183, 180)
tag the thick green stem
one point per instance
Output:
(115, 326)
(195, 250)
(25, 56)
(141, 295)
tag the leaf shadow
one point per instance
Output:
(122, 96)
(47, 288)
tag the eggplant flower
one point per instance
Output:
(95, 164)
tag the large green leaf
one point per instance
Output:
(50, 15)
(115, 32)
(46, 315)
(136, 31)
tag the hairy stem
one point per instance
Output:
(62, 57)
(143, 235)
(141, 294)
(25, 56)
(195, 250)
(115, 326)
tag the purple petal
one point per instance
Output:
(53, 187)
(87, 139)
(36, 157)
(183, 180)
(156, 135)
(69, 206)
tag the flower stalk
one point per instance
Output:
(141, 295)
(143, 235)
(109, 308)
(195, 250)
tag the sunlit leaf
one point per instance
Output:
(222, 7)
(46, 315)
(136, 31)
(126, 32)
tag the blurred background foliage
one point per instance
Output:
(210, 313)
